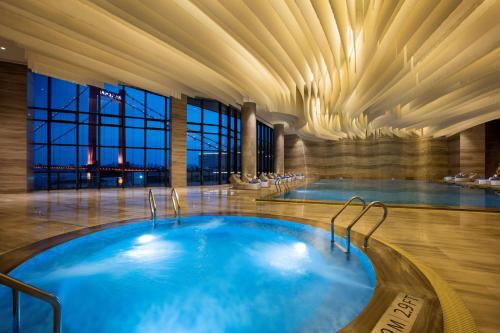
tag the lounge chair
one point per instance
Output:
(495, 180)
(264, 181)
(239, 183)
(463, 177)
(271, 178)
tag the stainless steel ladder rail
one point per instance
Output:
(152, 205)
(332, 222)
(363, 212)
(176, 203)
(277, 184)
(18, 286)
(285, 183)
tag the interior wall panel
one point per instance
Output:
(13, 138)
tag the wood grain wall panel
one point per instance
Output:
(178, 172)
(13, 138)
(472, 150)
(492, 146)
(372, 158)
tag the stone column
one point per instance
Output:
(248, 139)
(279, 149)
(178, 172)
(13, 128)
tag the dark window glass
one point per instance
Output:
(134, 103)
(134, 122)
(40, 155)
(110, 121)
(63, 95)
(63, 156)
(109, 106)
(212, 154)
(194, 167)
(134, 137)
(93, 138)
(192, 127)
(37, 114)
(38, 90)
(155, 138)
(63, 133)
(155, 158)
(193, 114)
(39, 132)
(135, 157)
(193, 141)
(156, 106)
(109, 136)
(109, 157)
(265, 148)
(83, 99)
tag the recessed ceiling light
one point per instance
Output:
(3, 48)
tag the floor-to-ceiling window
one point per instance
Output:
(265, 148)
(213, 142)
(87, 137)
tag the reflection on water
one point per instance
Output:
(396, 192)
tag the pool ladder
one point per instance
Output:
(365, 209)
(175, 203)
(18, 286)
(277, 184)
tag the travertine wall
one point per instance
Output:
(472, 150)
(178, 174)
(372, 158)
(13, 143)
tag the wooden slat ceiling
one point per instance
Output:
(339, 69)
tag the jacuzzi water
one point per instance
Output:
(396, 192)
(208, 274)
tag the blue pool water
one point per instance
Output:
(208, 274)
(396, 192)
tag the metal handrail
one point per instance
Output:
(175, 202)
(363, 212)
(277, 183)
(347, 203)
(287, 187)
(152, 205)
(19, 286)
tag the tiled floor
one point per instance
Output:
(463, 247)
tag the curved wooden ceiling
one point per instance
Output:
(339, 68)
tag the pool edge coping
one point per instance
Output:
(457, 318)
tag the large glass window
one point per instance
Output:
(84, 137)
(265, 148)
(212, 142)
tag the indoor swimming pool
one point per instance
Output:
(402, 192)
(206, 274)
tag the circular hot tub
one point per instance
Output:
(206, 274)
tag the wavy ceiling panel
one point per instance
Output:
(331, 69)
